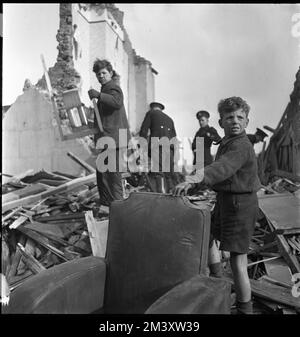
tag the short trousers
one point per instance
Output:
(233, 220)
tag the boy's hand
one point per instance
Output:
(93, 93)
(182, 188)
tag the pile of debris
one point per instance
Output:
(50, 218)
(47, 219)
(274, 254)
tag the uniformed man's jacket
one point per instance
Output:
(235, 167)
(159, 124)
(112, 113)
(210, 135)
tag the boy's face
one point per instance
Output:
(104, 76)
(234, 123)
(203, 121)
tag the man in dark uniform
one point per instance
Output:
(257, 137)
(210, 135)
(160, 125)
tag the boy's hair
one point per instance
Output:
(232, 104)
(100, 64)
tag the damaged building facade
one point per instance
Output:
(90, 31)
(86, 32)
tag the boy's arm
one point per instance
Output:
(114, 98)
(223, 168)
(227, 165)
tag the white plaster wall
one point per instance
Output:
(82, 64)
(131, 95)
(141, 94)
(31, 139)
(99, 40)
(116, 54)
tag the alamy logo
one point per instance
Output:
(139, 155)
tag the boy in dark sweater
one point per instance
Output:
(233, 175)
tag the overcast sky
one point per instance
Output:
(203, 53)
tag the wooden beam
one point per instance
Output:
(286, 253)
(287, 175)
(81, 162)
(39, 238)
(60, 217)
(97, 233)
(19, 176)
(19, 221)
(97, 114)
(15, 261)
(54, 106)
(32, 263)
(269, 128)
(17, 280)
(9, 215)
(274, 293)
(79, 134)
(66, 187)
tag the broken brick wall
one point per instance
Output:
(63, 75)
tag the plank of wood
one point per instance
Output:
(16, 281)
(64, 243)
(277, 282)
(24, 192)
(81, 162)
(66, 187)
(284, 174)
(80, 134)
(10, 214)
(15, 260)
(294, 243)
(19, 221)
(279, 270)
(30, 249)
(60, 217)
(51, 182)
(282, 210)
(274, 293)
(54, 106)
(44, 228)
(292, 231)
(97, 233)
(39, 238)
(97, 114)
(18, 177)
(32, 263)
(286, 253)
(261, 261)
(269, 128)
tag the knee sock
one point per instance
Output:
(216, 269)
(244, 307)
